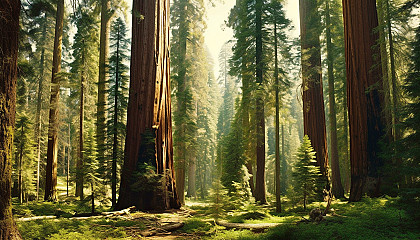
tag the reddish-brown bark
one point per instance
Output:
(9, 22)
(149, 110)
(313, 100)
(337, 187)
(52, 150)
(364, 86)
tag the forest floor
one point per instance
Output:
(380, 218)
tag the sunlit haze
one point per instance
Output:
(217, 33)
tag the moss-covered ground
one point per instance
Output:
(379, 218)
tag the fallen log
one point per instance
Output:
(34, 218)
(256, 227)
(164, 229)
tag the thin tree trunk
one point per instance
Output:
(365, 102)
(191, 178)
(313, 100)
(9, 22)
(79, 163)
(384, 64)
(68, 157)
(38, 123)
(395, 99)
(103, 62)
(115, 140)
(283, 163)
(337, 187)
(149, 110)
(277, 122)
(19, 163)
(346, 141)
(51, 169)
(92, 198)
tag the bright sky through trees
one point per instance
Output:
(217, 33)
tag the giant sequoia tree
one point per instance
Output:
(9, 22)
(364, 86)
(147, 179)
(313, 100)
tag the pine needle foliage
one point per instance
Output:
(307, 177)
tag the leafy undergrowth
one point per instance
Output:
(382, 218)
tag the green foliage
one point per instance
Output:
(307, 177)
(117, 96)
(369, 219)
(74, 229)
(409, 146)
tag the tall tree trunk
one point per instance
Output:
(149, 123)
(181, 106)
(115, 124)
(277, 122)
(364, 86)
(192, 167)
(38, 123)
(313, 100)
(103, 62)
(260, 194)
(19, 166)
(79, 163)
(283, 162)
(395, 98)
(9, 22)
(337, 187)
(51, 169)
(347, 176)
(384, 64)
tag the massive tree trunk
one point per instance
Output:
(260, 195)
(364, 87)
(9, 22)
(313, 100)
(148, 149)
(103, 61)
(337, 187)
(52, 151)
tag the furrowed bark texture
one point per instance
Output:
(364, 86)
(149, 109)
(313, 100)
(52, 149)
(9, 22)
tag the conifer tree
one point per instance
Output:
(51, 168)
(84, 71)
(118, 98)
(306, 174)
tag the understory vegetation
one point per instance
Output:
(380, 218)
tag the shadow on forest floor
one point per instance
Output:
(381, 218)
